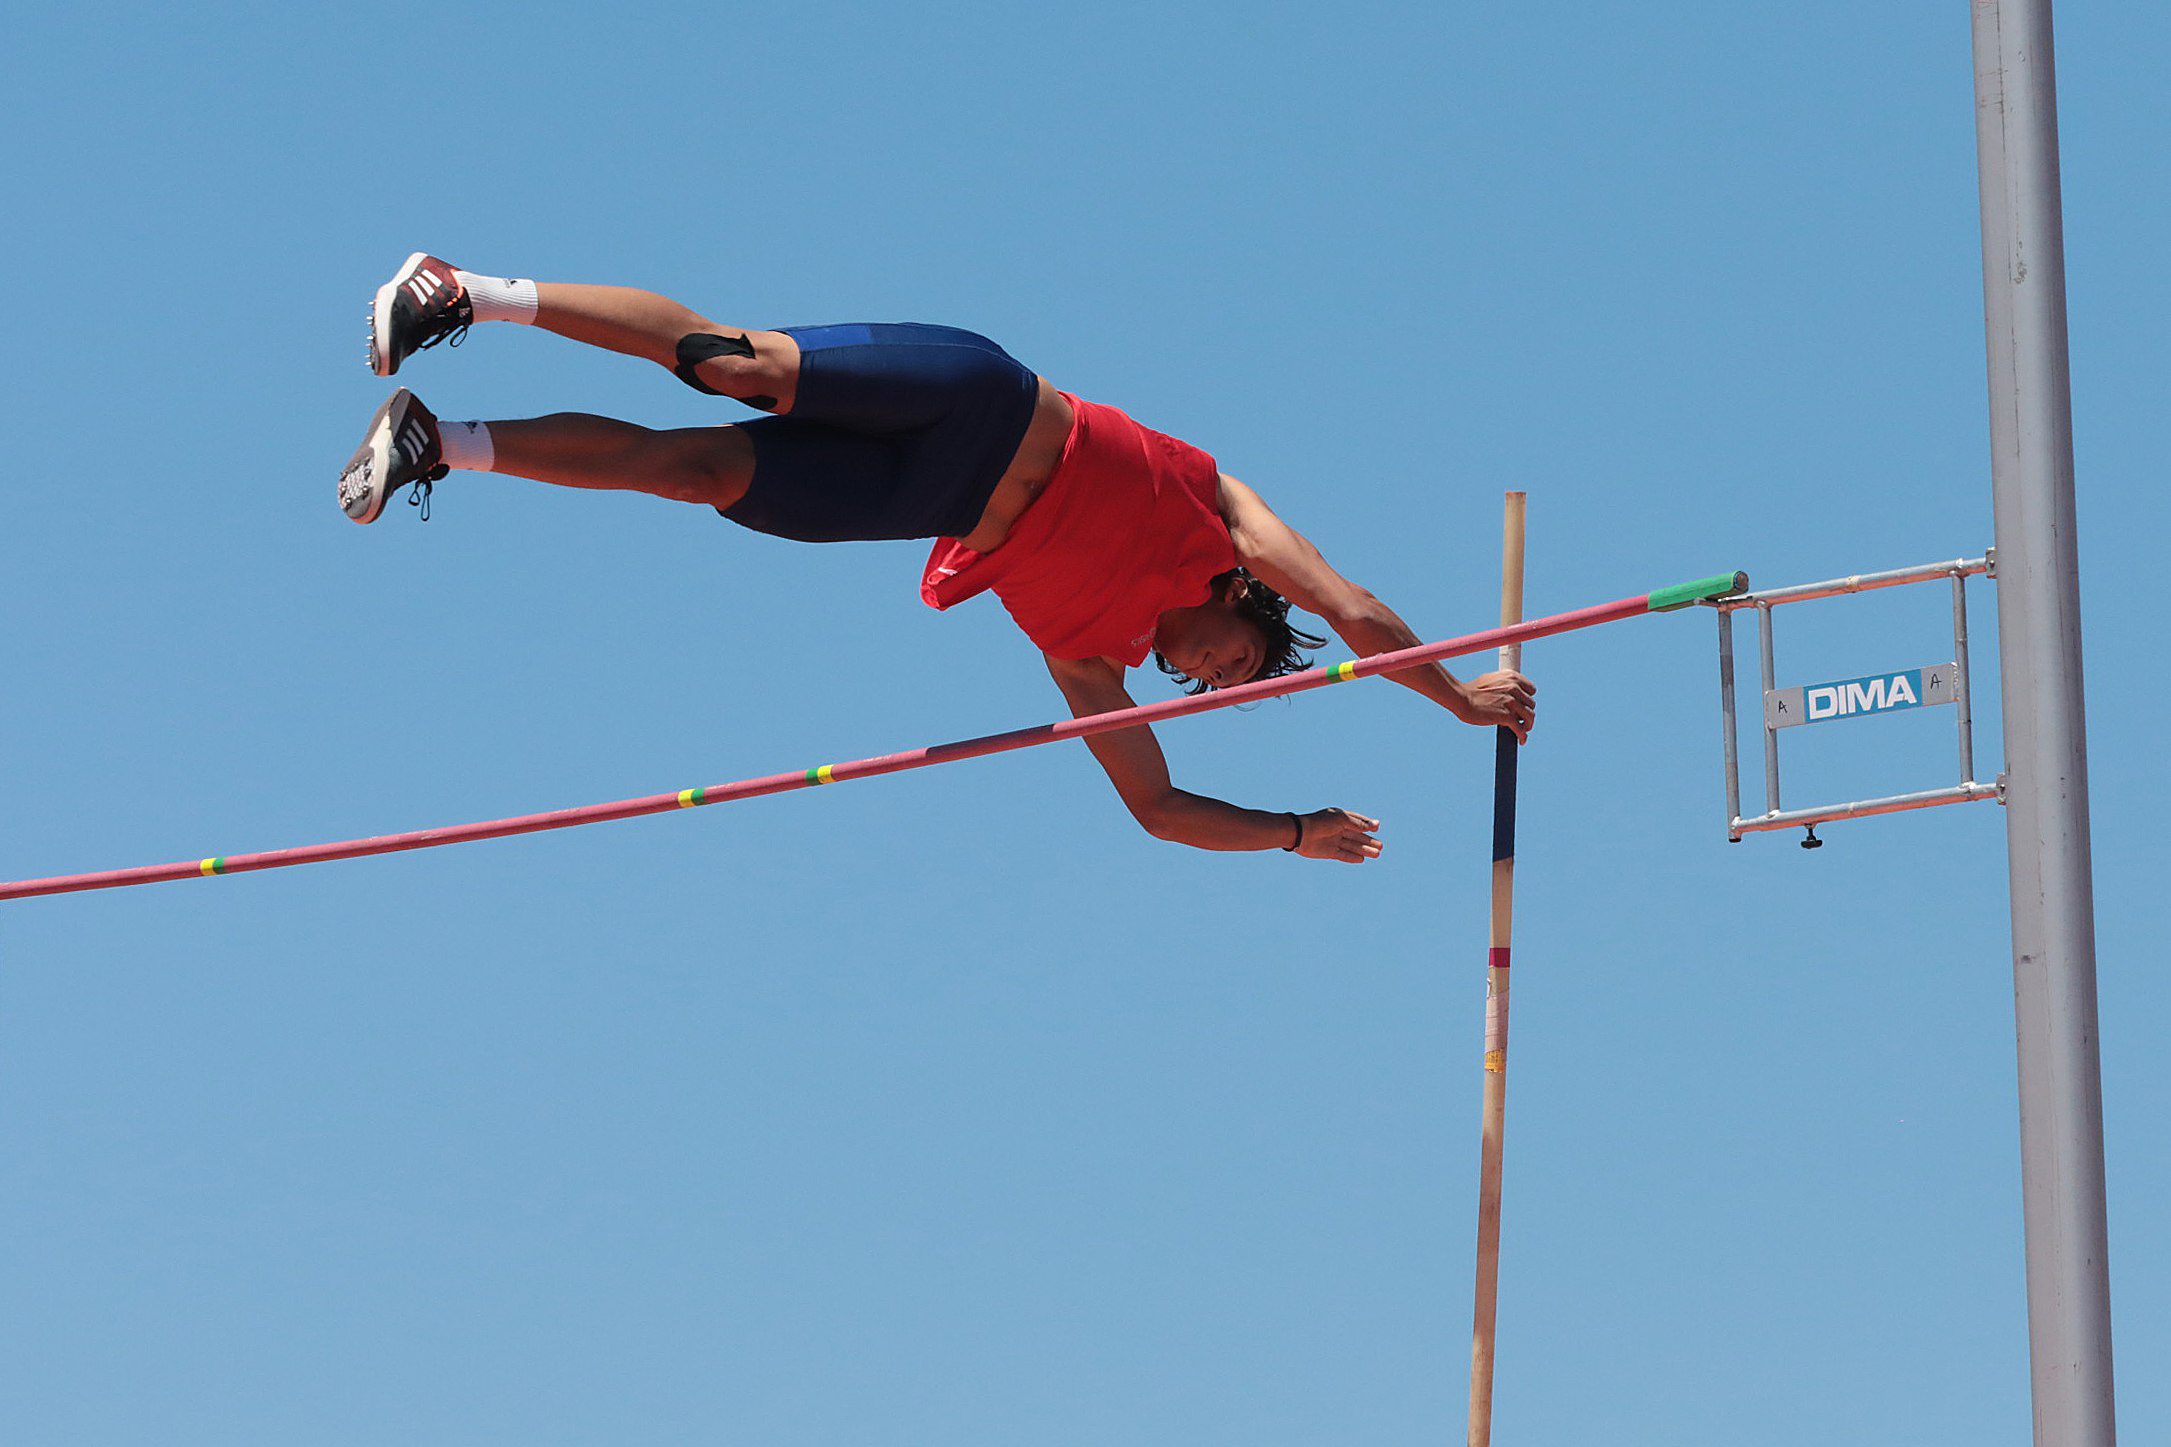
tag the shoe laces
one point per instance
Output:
(419, 495)
(452, 335)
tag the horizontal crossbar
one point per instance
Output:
(1664, 599)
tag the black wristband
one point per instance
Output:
(1298, 819)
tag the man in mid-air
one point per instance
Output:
(1106, 541)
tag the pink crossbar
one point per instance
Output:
(1048, 733)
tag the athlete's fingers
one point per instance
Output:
(1356, 849)
(1343, 836)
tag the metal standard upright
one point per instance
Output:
(2046, 824)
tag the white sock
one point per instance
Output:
(466, 446)
(500, 298)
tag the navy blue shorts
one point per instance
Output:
(899, 430)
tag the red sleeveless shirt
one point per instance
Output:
(1128, 527)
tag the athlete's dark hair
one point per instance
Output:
(1268, 611)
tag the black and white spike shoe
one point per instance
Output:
(401, 447)
(419, 307)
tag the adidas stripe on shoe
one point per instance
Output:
(423, 304)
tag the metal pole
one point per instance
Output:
(1771, 735)
(1965, 709)
(1858, 583)
(1732, 746)
(2039, 631)
(1969, 793)
(1495, 1117)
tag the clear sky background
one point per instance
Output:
(950, 1107)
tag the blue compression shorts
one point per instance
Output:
(899, 430)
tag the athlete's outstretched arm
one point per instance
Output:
(1135, 764)
(1282, 558)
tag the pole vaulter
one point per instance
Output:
(1107, 542)
(1661, 601)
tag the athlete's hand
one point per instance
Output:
(1501, 700)
(1339, 834)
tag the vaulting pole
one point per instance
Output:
(1496, 1002)
(2046, 744)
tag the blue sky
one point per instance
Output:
(950, 1107)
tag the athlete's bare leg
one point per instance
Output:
(647, 325)
(706, 465)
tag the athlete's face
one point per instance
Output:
(1212, 642)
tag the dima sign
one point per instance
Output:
(1859, 697)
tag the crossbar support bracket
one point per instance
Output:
(1968, 789)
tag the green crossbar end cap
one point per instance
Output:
(1703, 590)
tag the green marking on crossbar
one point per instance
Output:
(1665, 600)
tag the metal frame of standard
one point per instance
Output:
(2036, 565)
(2045, 784)
(1953, 676)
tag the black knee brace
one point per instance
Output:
(697, 347)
